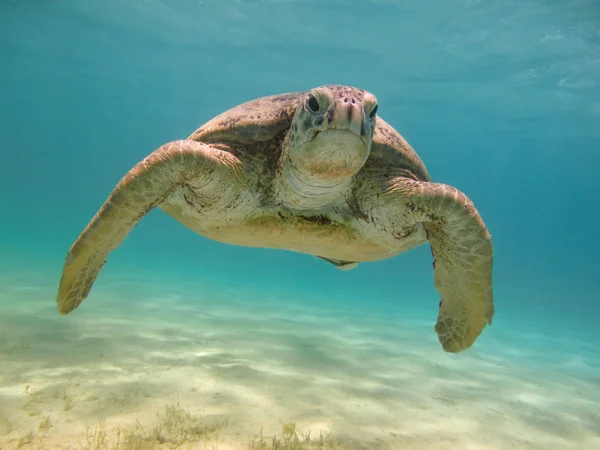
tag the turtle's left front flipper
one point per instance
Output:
(463, 255)
(144, 187)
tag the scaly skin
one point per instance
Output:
(144, 187)
(463, 258)
(327, 179)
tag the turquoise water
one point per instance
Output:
(500, 99)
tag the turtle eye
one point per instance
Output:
(373, 112)
(312, 103)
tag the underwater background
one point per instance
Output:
(188, 343)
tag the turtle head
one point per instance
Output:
(331, 132)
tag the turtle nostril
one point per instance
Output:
(345, 100)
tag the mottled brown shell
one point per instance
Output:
(257, 120)
(265, 118)
(390, 149)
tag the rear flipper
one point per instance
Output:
(342, 265)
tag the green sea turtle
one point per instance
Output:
(315, 172)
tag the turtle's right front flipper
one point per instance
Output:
(144, 187)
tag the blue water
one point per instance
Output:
(500, 99)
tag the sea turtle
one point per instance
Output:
(316, 172)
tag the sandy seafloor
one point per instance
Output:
(247, 361)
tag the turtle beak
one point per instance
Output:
(347, 115)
